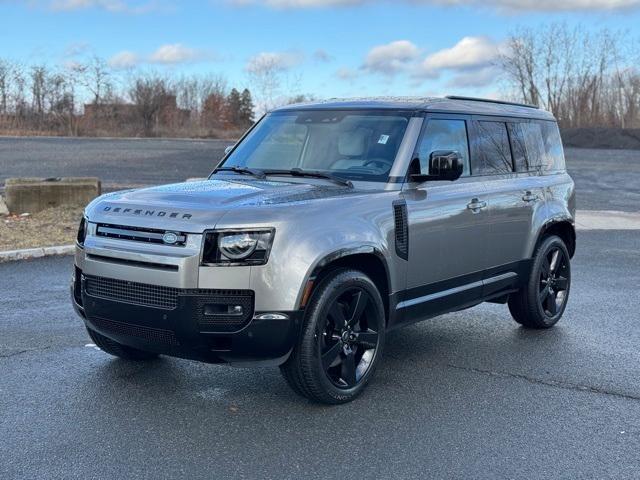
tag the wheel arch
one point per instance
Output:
(562, 227)
(366, 259)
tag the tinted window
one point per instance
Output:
(518, 148)
(441, 134)
(494, 153)
(554, 160)
(527, 145)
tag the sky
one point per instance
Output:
(325, 48)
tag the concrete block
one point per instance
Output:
(35, 194)
(3, 207)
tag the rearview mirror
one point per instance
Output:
(443, 165)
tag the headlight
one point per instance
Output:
(82, 231)
(241, 247)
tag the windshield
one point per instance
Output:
(355, 145)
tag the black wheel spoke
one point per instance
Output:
(336, 312)
(360, 302)
(545, 267)
(368, 339)
(561, 283)
(542, 296)
(329, 357)
(349, 369)
(556, 260)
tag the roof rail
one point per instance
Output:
(501, 102)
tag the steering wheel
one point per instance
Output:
(381, 162)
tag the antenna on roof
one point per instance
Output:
(501, 102)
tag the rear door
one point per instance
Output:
(447, 227)
(514, 192)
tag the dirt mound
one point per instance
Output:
(613, 138)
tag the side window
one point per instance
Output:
(518, 148)
(444, 134)
(494, 153)
(527, 146)
(554, 154)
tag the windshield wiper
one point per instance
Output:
(243, 171)
(298, 172)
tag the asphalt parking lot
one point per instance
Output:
(467, 395)
(603, 177)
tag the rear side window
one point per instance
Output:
(443, 134)
(493, 150)
(528, 147)
(554, 160)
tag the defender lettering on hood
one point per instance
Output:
(147, 213)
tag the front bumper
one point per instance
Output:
(177, 322)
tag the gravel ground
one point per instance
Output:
(54, 226)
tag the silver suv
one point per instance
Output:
(326, 226)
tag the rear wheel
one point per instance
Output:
(541, 302)
(341, 342)
(117, 349)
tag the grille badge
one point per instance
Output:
(170, 238)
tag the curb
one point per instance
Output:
(29, 253)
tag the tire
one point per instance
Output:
(341, 341)
(543, 299)
(117, 349)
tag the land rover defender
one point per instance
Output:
(328, 225)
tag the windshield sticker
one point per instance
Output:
(383, 139)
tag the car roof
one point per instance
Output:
(463, 105)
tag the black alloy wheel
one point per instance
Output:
(349, 338)
(341, 341)
(554, 282)
(541, 301)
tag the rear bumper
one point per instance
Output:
(180, 327)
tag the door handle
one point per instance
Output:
(476, 205)
(529, 197)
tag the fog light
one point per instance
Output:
(216, 309)
(272, 316)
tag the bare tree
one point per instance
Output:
(149, 95)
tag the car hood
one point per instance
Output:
(195, 206)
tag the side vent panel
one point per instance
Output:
(401, 229)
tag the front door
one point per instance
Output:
(447, 229)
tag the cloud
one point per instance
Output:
(174, 53)
(273, 61)
(390, 58)
(501, 5)
(475, 78)
(347, 74)
(113, 6)
(123, 60)
(321, 55)
(468, 54)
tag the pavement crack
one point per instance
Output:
(550, 383)
(20, 352)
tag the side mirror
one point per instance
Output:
(228, 149)
(443, 165)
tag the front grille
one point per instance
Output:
(156, 296)
(132, 292)
(139, 234)
(153, 335)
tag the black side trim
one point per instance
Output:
(401, 228)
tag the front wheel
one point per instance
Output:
(342, 339)
(541, 302)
